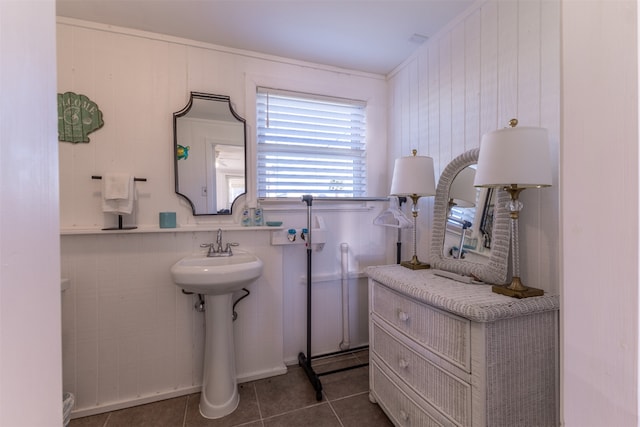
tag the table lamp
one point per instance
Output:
(514, 158)
(413, 177)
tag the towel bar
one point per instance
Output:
(120, 227)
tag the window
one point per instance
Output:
(309, 144)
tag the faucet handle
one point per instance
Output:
(211, 247)
(228, 249)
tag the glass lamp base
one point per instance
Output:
(517, 290)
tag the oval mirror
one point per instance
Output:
(470, 225)
(209, 149)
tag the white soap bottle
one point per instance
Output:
(258, 218)
(246, 217)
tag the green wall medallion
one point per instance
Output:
(78, 116)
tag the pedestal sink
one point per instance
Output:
(217, 278)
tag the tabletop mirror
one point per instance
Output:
(470, 225)
(209, 153)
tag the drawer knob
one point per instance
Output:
(404, 317)
(404, 416)
(403, 364)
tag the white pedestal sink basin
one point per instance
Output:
(216, 275)
(217, 278)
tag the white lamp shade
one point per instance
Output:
(413, 175)
(462, 191)
(516, 155)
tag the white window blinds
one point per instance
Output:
(309, 145)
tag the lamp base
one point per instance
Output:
(517, 290)
(415, 264)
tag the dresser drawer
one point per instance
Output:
(442, 333)
(399, 406)
(443, 390)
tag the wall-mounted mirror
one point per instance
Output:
(470, 225)
(209, 149)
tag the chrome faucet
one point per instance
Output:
(219, 240)
(216, 249)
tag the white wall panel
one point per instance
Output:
(487, 67)
(445, 98)
(30, 348)
(472, 45)
(458, 90)
(599, 220)
(130, 336)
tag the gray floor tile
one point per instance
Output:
(91, 421)
(285, 393)
(357, 411)
(346, 383)
(285, 400)
(166, 413)
(247, 410)
(319, 415)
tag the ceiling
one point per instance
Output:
(366, 35)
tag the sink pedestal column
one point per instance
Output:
(219, 387)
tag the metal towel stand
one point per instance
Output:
(120, 227)
(305, 360)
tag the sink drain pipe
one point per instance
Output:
(200, 306)
(233, 309)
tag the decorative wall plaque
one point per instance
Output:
(78, 116)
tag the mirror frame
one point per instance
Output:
(495, 271)
(183, 112)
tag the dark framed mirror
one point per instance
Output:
(470, 233)
(209, 154)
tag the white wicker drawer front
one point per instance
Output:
(442, 333)
(440, 388)
(402, 409)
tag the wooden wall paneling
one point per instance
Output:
(65, 150)
(489, 67)
(458, 90)
(528, 66)
(176, 98)
(413, 88)
(130, 70)
(445, 98)
(423, 100)
(395, 130)
(472, 81)
(508, 62)
(99, 87)
(433, 82)
(158, 136)
(195, 72)
(405, 113)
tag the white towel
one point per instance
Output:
(118, 193)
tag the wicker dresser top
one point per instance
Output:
(474, 302)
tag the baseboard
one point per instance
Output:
(155, 397)
(258, 375)
(123, 404)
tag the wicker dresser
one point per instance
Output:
(444, 353)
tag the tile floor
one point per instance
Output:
(286, 400)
